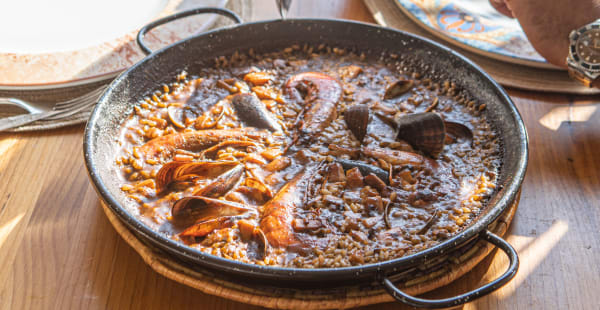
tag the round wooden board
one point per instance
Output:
(387, 14)
(340, 298)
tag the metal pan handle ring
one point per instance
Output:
(466, 297)
(182, 14)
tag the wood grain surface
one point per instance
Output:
(58, 250)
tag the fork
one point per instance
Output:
(38, 111)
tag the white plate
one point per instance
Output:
(63, 43)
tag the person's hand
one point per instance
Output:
(547, 23)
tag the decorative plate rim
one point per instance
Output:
(494, 55)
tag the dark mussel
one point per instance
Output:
(172, 171)
(201, 229)
(222, 184)
(397, 88)
(424, 131)
(195, 209)
(357, 120)
(253, 112)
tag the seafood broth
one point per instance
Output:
(308, 157)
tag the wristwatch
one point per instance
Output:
(583, 61)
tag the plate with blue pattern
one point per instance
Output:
(475, 26)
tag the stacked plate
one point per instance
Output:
(67, 48)
(495, 42)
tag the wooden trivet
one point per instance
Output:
(436, 273)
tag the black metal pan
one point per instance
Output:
(432, 59)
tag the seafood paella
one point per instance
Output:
(308, 157)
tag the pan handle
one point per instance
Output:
(466, 297)
(182, 14)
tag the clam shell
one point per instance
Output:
(357, 120)
(176, 116)
(397, 88)
(459, 132)
(424, 131)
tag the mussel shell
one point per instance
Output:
(176, 115)
(174, 170)
(424, 131)
(397, 88)
(204, 228)
(193, 209)
(222, 184)
(253, 112)
(357, 120)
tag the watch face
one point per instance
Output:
(587, 47)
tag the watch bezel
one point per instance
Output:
(591, 71)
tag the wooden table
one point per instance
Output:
(58, 250)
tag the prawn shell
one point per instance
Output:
(278, 214)
(163, 147)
